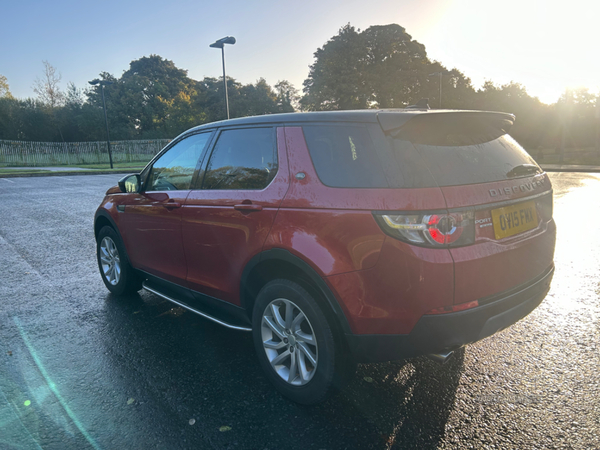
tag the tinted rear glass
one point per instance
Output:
(344, 156)
(242, 159)
(451, 165)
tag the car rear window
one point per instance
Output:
(344, 156)
(430, 150)
(454, 148)
(452, 165)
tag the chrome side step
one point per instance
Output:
(200, 313)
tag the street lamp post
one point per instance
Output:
(598, 124)
(103, 83)
(440, 73)
(221, 44)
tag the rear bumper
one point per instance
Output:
(442, 332)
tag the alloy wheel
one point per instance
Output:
(289, 342)
(110, 261)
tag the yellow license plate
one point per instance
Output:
(514, 219)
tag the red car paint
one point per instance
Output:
(219, 239)
(204, 240)
(333, 229)
(391, 297)
(151, 227)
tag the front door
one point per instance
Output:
(151, 222)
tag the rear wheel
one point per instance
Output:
(295, 342)
(118, 275)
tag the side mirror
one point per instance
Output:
(130, 183)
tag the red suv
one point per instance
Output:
(338, 237)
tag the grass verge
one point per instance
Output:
(134, 167)
(4, 173)
(21, 172)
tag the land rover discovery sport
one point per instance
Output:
(338, 237)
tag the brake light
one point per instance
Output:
(545, 205)
(435, 230)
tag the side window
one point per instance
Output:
(344, 156)
(242, 159)
(174, 170)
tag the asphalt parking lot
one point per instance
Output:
(80, 368)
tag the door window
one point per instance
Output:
(174, 170)
(242, 159)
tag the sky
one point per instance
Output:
(547, 45)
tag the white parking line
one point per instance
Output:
(6, 179)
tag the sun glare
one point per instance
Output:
(547, 46)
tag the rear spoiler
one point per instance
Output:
(450, 128)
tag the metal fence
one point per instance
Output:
(24, 153)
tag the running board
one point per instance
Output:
(200, 313)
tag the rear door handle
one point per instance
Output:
(248, 207)
(172, 205)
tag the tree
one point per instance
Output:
(181, 113)
(335, 80)
(536, 124)
(74, 96)
(395, 66)
(91, 121)
(153, 99)
(287, 96)
(49, 93)
(26, 120)
(72, 116)
(146, 90)
(4, 89)
(255, 99)
(210, 97)
(576, 109)
(381, 66)
(48, 87)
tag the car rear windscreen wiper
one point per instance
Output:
(523, 169)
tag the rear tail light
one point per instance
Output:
(454, 229)
(545, 205)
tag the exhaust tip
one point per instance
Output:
(441, 358)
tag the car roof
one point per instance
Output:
(400, 116)
(369, 115)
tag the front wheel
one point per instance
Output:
(294, 342)
(118, 275)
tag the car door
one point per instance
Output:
(227, 219)
(151, 221)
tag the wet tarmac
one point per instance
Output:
(81, 369)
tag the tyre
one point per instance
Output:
(295, 343)
(118, 275)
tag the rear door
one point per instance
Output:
(227, 218)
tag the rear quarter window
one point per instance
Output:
(344, 156)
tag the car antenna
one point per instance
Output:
(421, 104)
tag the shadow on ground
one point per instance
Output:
(181, 367)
